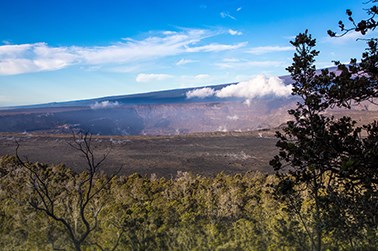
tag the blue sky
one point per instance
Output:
(54, 50)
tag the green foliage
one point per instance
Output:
(140, 213)
(189, 212)
(329, 165)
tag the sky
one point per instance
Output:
(55, 50)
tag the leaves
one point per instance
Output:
(331, 159)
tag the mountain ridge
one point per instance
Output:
(216, 108)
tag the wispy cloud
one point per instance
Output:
(25, 58)
(225, 14)
(269, 49)
(239, 9)
(28, 58)
(185, 61)
(234, 32)
(216, 47)
(143, 77)
(172, 43)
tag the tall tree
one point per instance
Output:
(333, 160)
(304, 154)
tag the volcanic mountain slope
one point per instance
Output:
(163, 113)
(158, 113)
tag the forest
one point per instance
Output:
(189, 212)
(323, 195)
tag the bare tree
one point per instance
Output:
(75, 204)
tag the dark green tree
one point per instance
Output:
(332, 161)
(304, 158)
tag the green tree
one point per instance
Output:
(328, 163)
(303, 145)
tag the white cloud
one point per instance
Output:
(185, 61)
(14, 50)
(104, 105)
(256, 87)
(225, 14)
(216, 47)
(48, 58)
(239, 9)
(131, 51)
(269, 49)
(25, 58)
(200, 93)
(142, 77)
(234, 32)
(16, 66)
(166, 33)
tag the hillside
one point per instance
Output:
(158, 113)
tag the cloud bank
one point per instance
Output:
(258, 86)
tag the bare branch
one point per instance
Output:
(44, 199)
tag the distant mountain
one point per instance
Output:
(156, 113)
(151, 98)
